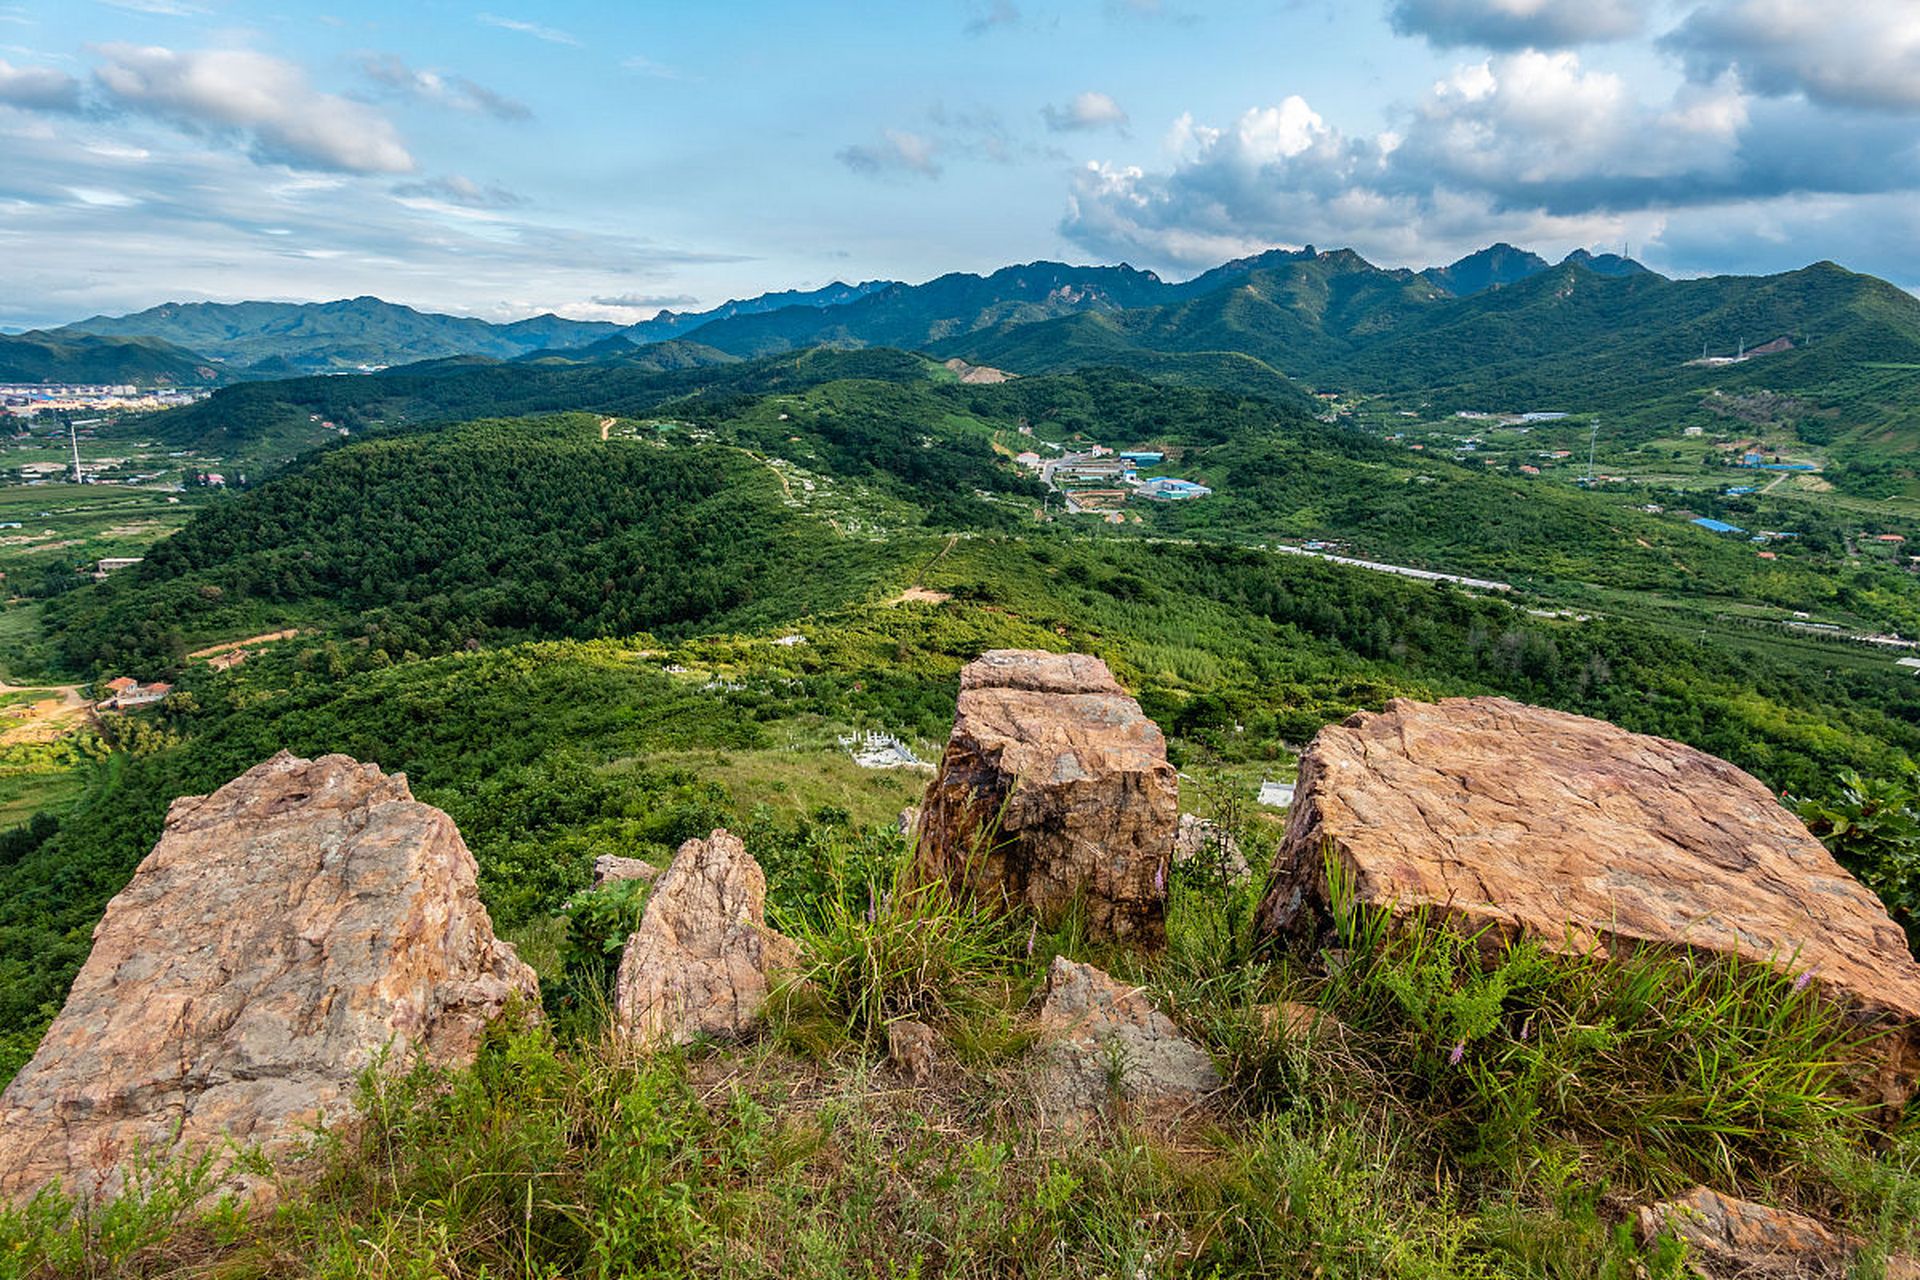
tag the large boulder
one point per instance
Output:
(1054, 791)
(1108, 1049)
(1575, 832)
(703, 959)
(286, 932)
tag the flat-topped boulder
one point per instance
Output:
(703, 959)
(1574, 831)
(285, 932)
(1054, 792)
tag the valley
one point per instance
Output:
(599, 602)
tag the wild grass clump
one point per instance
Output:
(913, 950)
(1681, 1066)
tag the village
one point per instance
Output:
(1099, 481)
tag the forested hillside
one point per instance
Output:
(79, 358)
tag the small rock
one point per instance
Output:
(1110, 1045)
(1200, 838)
(611, 868)
(1299, 1021)
(1729, 1239)
(701, 961)
(910, 1046)
(909, 821)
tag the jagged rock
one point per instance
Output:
(1571, 830)
(285, 931)
(910, 1048)
(1729, 1239)
(701, 961)
(611, 868)
(1109, 1045)
(1197, 837)
(908, 821)
(1052, 760)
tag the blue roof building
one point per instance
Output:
(1145, 457)
(1717, 526)
(1167, 489)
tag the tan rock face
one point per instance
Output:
(1054, 787)
(1539, 822)
(702, 960)
(1729, 1239)
(1108, 1046)
(283, 932)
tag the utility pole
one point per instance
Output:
(73, 434)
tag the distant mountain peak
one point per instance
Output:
(1493, 267)
(1605, 264)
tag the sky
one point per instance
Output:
(503, 158)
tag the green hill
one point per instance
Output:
(39, 356)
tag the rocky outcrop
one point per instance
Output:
(1730, 1239)
(1571, 830)
(1108, 1048)
(1054, 791)
(611, 868)
(703, 959)
(285, 932)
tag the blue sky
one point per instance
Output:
(604, 160)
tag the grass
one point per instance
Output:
(1451, 1115)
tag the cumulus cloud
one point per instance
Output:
(264, 100)
(1085, 111)
(1525, 146)
(1518, 24)
(1860, 53)
(898, 152)
(38, 88)
(441, 89)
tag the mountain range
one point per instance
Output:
(277, 339)
(1500, 329)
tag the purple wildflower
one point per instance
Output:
(1033, 932)
(1459, 1052)
(1800, 983)
(1160, 878)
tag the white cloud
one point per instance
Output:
(642, 65)
(1857, 53)
(441, 88)
(898, 152)
(1085, 111)
(38, 88)
(261, 99)
(458, 190)
(1528, 146)
(552, 35)
(1518, 24)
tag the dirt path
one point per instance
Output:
(606, 425)
(215, 650)
(922, 593)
